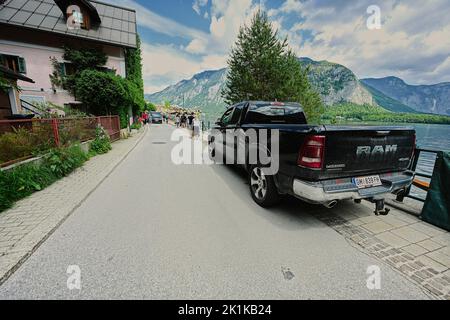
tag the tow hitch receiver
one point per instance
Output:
(380, 208)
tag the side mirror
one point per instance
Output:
(219, 122)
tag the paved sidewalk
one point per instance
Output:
(414, 248)
(32, 220)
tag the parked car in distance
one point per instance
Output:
(156, 117)
(320, 164)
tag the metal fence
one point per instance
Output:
(20, 139)
(422, 180)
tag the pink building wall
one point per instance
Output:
(39, 68)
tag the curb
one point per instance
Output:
(26, 255)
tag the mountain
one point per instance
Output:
(387, 102)
(201, 91)
(335, 83)
(423, 98)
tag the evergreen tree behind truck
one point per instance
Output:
(263, 67)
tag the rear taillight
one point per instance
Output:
(312, 152)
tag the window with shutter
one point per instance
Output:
(22, 65)
(62, 69)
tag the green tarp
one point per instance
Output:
(437, 205)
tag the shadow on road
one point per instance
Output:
(290, 214)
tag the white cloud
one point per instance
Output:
(165, 65)
(198, 5)
(196, 46)
(414, 42)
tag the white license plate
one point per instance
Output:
(367, 182)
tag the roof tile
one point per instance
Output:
(44, 8)
(21, 17)
(35, 19)
(7, 13)
(118, 25)
(48, 23)
(16, 4)
(31, 5)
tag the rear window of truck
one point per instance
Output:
(275, 113)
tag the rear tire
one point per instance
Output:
(262, 187)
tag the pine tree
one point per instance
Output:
(262, 67)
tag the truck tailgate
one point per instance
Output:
(365, 150)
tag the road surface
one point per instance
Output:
(154, 230)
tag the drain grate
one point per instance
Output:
(159, 142)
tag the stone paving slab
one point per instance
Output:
(32, 220)
(418, 250)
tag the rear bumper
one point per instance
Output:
(343, 189)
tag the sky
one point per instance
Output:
(409, 39)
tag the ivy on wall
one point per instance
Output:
(102, 91)
(133, 63)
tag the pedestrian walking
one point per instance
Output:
(183, 120)
(177, 120)
(196, 127)
(146, 117)
(190, 121)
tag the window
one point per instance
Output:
(108, 70)
(32, 99)
(79, 16)
(62, 69)
(66, 69)
(227, 116)
(237, 114)
(15, 63)
(273, 113)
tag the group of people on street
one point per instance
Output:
(146, 118)
(189, 121)
(184, 120)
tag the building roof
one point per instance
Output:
(11, 74)
(117, 27)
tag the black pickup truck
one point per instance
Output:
(320, 164)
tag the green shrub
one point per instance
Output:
(22, 143)
(15, 145)
(22, 181)
(76, 131)
(106, 94)
(101, 144)
(63, 161)
(136, 126)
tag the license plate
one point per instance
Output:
(367, 182)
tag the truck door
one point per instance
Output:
(231, 141)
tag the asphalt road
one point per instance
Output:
(154, 230)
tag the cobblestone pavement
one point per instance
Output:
(32, 220)
(414, 248)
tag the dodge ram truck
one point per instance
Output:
(319, 164)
